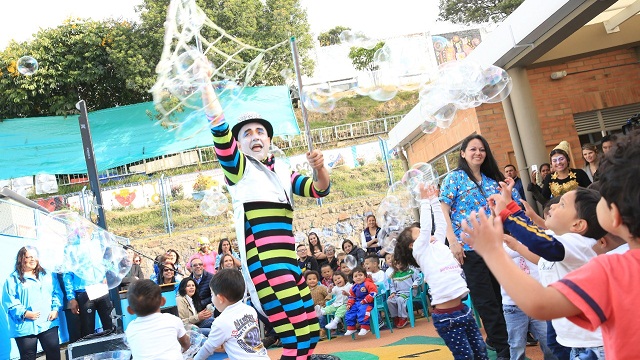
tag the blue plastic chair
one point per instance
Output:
(421, 298)
(469, 303)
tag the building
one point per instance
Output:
(575, 67)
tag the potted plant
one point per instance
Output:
(202, 183)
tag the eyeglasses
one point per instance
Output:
(196, 265)
(301, 250)
(136, 261)
(558, 159)
(168, 270)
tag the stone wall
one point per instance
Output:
(344, 215)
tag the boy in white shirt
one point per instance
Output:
(153, 335)
(372, 265)
(237, 326)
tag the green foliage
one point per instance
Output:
(94, 61)
(476, 11)
(331, 37)
(362, 58)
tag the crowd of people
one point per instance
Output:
(476, 237)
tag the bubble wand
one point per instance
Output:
(305, 118)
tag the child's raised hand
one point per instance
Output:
(511, 242)
(497, 203)
(528, 210)
(428, 191)
(506, 188)
(482, 233)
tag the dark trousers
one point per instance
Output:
(486, 297)
(88, 308)
(561, 352)
(28, 345)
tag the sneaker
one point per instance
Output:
(381, 324)
(531, 341)
(363, 332)
(402, 322)
(349, 332)
(333, 324)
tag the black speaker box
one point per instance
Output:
(96, 345)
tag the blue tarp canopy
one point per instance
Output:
(122, 135)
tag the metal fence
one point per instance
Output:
(205, 155)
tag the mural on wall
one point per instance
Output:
(455, 45)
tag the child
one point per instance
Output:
(344, 268)
(453, 320)
(403, 280)
(518, 323)
(339, 306)
(372, 265)
(153, 335)
(341, 256)
(360, 302)
(320, 295)
(388, 260)
(327, 276)
(237, 326)
(600, 293)
(567, 246)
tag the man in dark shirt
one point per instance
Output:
(306, 262)
(510, 171)
(202, 278)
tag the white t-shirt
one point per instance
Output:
(441, 270)
(341, 298)
(155, 337)
(578, 250)
(380, 277)
(238, 329)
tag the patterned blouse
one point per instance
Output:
(463, 195)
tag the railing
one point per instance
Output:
(207, 154)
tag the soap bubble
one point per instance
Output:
(357, 39)
(318, 100)
(428, 127)
(300, 237)
(213, 203)
(351, 261)
(430, 174)
(192, 125)
(412, 179)
(89, 252)
(390, 244)
(498, 84)
(344, 228)
(27, 65)
(402, 194)
(279, 156)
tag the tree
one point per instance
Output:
(476, 11)
(78, 60)
(331, 37)
(258, 24)
(362, 59)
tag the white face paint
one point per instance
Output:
(254, 140)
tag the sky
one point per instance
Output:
(376, 18)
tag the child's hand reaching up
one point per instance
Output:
(482, 233)
(428, 191)
(511, 242)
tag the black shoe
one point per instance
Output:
(531, 341)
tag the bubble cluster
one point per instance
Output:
(461, 85)
(420, 173)
(214, 203)
(351, 261)
(344, 228)
(68, 242)
(27, 65)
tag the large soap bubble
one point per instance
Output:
(196, 340)
(214, 203)
(351, 261)
(88, 251)
(27, 65)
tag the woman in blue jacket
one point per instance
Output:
(33, 298)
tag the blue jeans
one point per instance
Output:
(592, 353)
(518, 324)
(460, 332)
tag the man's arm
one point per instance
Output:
(485, 236)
